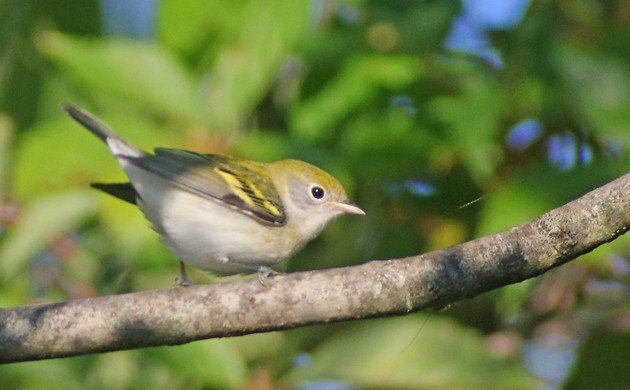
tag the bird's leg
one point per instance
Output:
(183, 281)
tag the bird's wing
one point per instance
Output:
(230, 181)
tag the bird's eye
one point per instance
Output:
(317, 192)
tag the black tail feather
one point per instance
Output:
(86, 119)
(122, 191)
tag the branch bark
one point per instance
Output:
(375, 289)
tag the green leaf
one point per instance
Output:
(53, 374)
(216, 364)
(391, 134)
(186, 26)
(244, 69)
(358, 83)
(130, 71)
(56, 155)
(603, 360)
(598, 85)
(409, 353)
(264, 146)
(114, 370)
(472, 121)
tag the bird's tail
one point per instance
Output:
(116, 143)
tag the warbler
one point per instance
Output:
(223, 214)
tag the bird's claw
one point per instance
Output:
(181, 282)
(266, 273)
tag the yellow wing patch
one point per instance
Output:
(248, 192)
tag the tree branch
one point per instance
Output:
(378, 288)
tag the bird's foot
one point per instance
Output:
(265, 274)
(182, 281)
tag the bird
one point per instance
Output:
(223, 214)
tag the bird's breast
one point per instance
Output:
(207, 233)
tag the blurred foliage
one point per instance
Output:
(367, 90)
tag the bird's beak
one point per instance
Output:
(347, 207)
